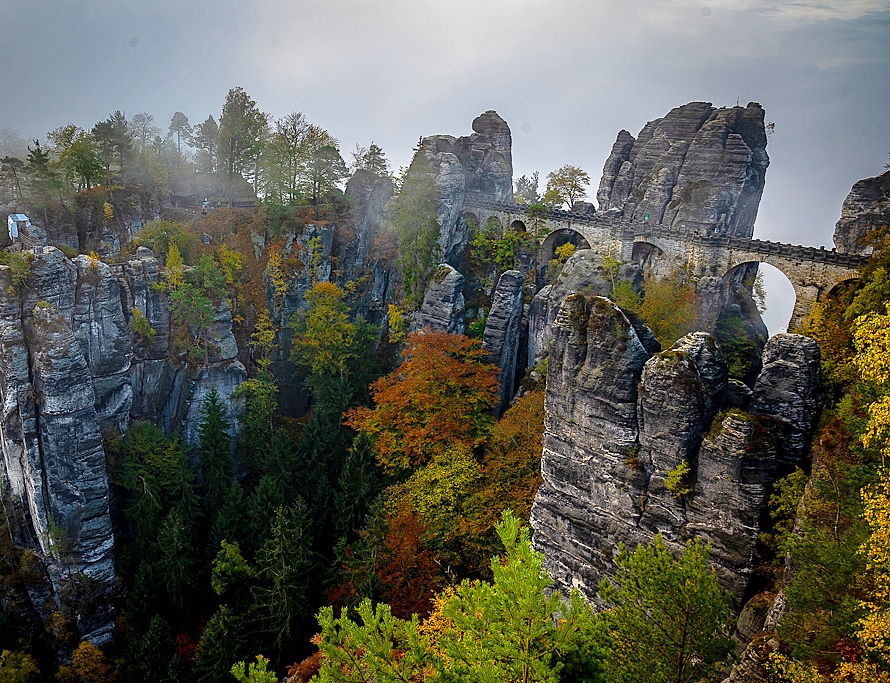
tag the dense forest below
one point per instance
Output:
(357, 508)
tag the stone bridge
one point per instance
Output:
(700, 249)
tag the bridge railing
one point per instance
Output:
(704, 234)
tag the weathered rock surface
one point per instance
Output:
(619, 421)
(583, 271)
(71, 370)
(357, 258)
(443, 303)
(500, 341)
(480, 164)
(698, 164)
(865, 209)
(789, 391)
(53, 459)
(590, 498)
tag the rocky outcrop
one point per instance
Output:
(591, 494)
(479, 165)
(500, 341)
(583, 271)
(370, 194)
(865, 209)
(53, 459)
(789, 391)
(102, 328)
(619, 423)
(443, 303)
(698, 164)
(72, 371)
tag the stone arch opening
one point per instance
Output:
(558, 238)
(471, 218)
(648, 256)
(518, 226)
(757, 285)
(842, 287)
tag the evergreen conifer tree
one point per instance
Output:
(214, 454)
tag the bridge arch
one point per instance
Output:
(652, 255)
(558, 238)
(843, 283)
(781, 295)
(518, 226)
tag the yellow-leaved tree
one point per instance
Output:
(871, 336)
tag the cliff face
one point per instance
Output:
(865, 209)
(620, 420)
(71, 372)
(698, 164)
(480, 164)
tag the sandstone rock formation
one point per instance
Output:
(865, 209)
(583, 271)
(500, 341)
(698, 164)
(620, 420)
(443, 303)
(357, 257)
(479, 165)
(789, 392)
(71, 371)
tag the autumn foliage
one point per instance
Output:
(440, 396)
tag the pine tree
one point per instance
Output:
(285, 566)
(669, 618)
(214, 453)
(222, 643)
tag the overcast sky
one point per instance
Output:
(566, 75)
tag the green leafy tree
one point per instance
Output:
(159, 235)
(242, 127)
(260, 396)
(526, 189)
(177, 562)
(231, 572)
(506, 630)
(223, 642)
(284, 158)
(143, 130)
(189, 305)
(326, 170)
(78, 156)
(566, 185)
(371, 159)
(254, 673)
(669, 306)
(154, 470)
(337, 353)
(12, 174)
(358, 485)
(669, 619)
(43, 182)
(17, 667)
(181, 128)
(116, 143)
(209, 276)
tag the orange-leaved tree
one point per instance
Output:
(440, 396)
